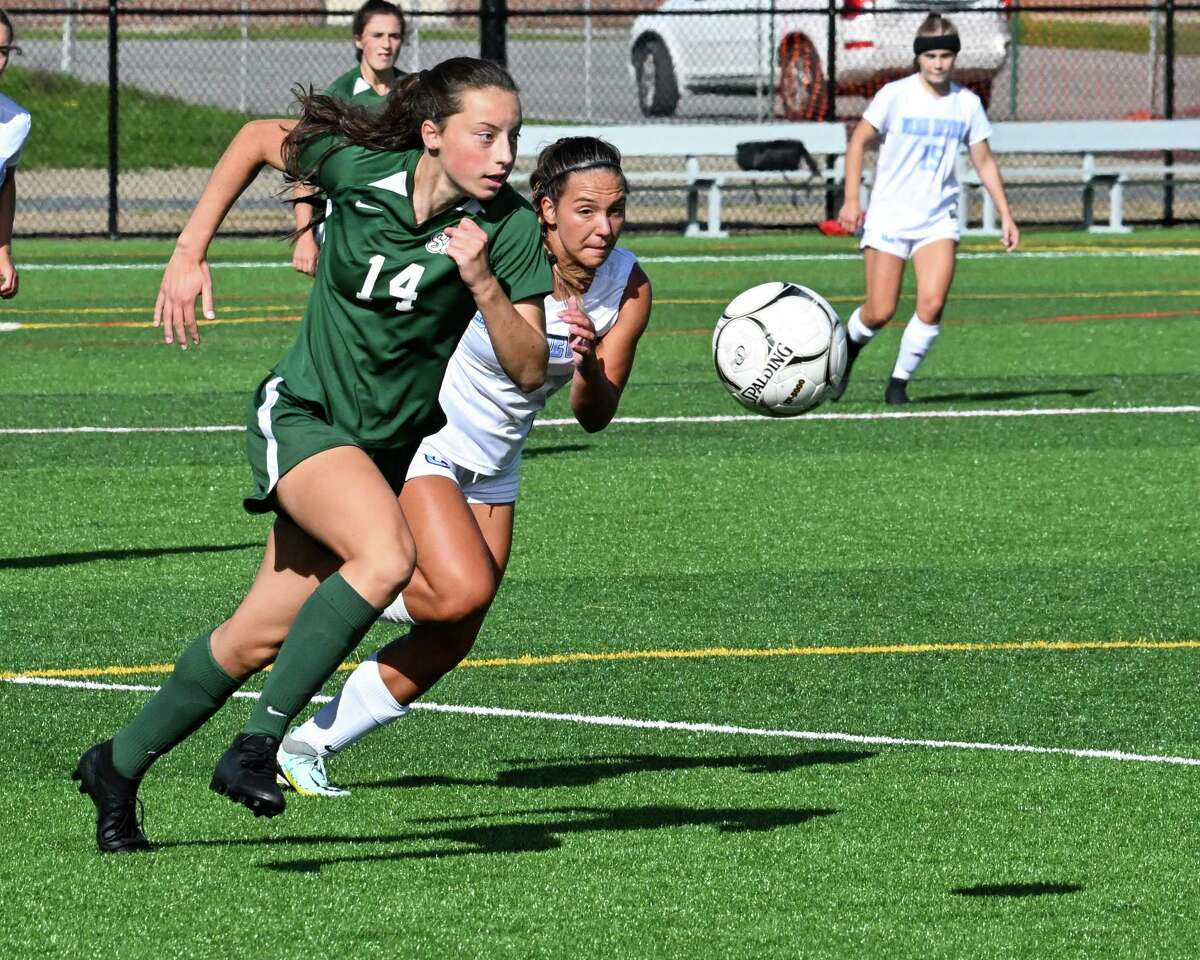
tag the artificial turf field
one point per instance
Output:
(921, 686)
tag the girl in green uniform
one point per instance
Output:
(425, 233)
(378, 29)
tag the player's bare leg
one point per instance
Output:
(462, 551)
(884, 275)
(342, 501)
(933, 265)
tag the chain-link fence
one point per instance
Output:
(133, 105)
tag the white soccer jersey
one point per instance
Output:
(14, 128)
(915, 183)
(488, 417)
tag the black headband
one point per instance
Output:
(945, 41)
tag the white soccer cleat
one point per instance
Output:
(305, 772)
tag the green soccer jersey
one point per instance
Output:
(351, 87)
(388, 305)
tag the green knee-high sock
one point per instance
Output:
(329, 625)
(196, 689)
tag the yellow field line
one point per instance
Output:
(148, 324)
(143, 310)
(530, 660)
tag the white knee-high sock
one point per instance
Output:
(914, 345)
(858, 331)
(397, 612)
(363, 704)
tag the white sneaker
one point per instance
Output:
(305, 772)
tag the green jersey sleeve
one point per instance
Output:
(331, 168)
(517, 257)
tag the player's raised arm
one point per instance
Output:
(518, 331)
(603, 368)
(186, 277)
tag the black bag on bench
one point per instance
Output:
(775, 155)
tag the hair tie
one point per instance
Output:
(945, 41)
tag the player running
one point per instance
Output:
(462, 485)
(378, 28)
(923, 120)
(426, 234)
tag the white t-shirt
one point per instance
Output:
(915, 183)
(488, 417)
(14, 128)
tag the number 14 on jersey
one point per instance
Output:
(403, 286)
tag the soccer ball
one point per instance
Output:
(779, 349)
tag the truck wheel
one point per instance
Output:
(802, 91)
(657, 90)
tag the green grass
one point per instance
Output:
(1040, 30)
(156, 132)
(473, 836)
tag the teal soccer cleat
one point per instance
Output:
(304, 770)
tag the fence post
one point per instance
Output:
(1169, 109)
(831, 58)
(493, 31)
(831, 204)
(772, 58)
(114, 102)
(243, 57)
(66, 59)
(1014, 50)
(587, 60)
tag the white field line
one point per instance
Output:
(721, 418)
(682, 727)
(1101, 253)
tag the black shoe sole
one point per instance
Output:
(259, 806)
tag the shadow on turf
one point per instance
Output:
(1017, 889)
(66, 559)
(527, 835)
(550, 451)
(532, 774)
(995, 396)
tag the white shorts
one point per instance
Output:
(430, 461)
(905, 247)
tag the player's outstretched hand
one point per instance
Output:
(582, 337)
(185, 279)
(305, 254)
(851, 216)
(468, 249)
(1010, 235)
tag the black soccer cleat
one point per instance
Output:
(852, 351)
(246, 774)
(118, 826)
(897, 392)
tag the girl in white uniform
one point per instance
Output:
(594, 319)
(923, 120)
(14, 128)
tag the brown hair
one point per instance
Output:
(374, 8)
(549, 179)
(435, 94)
